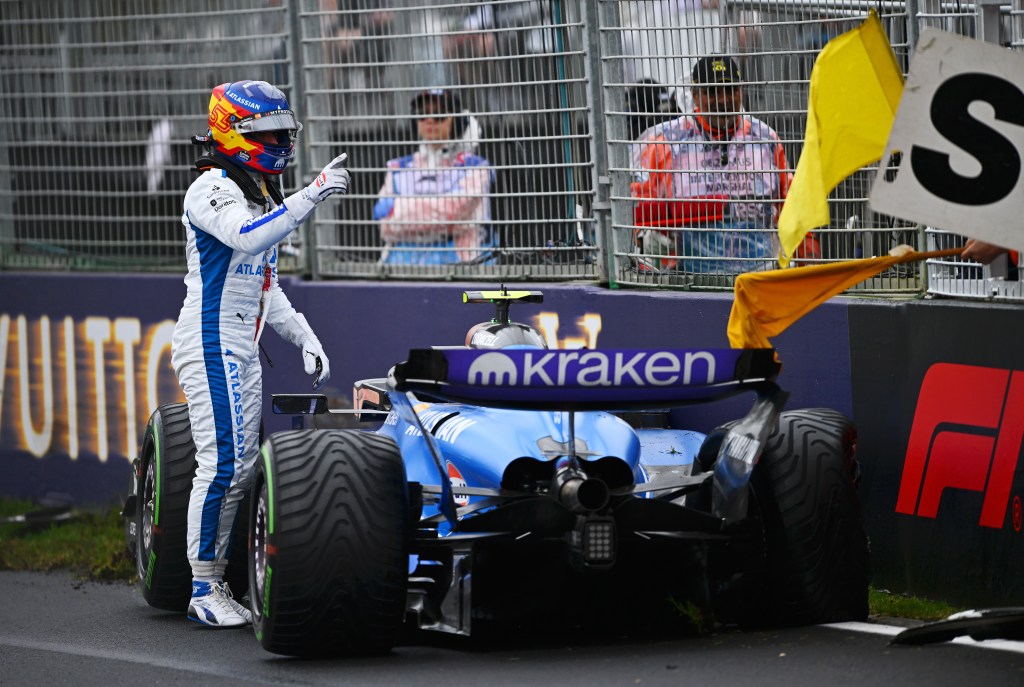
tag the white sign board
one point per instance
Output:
(959, 135)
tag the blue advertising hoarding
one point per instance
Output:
(86, 358)
(933, 387)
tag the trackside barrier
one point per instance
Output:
(85, 360)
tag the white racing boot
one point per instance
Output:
(212, 604)
(240, 608)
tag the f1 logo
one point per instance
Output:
(967, 434)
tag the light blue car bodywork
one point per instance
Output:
(478, 443)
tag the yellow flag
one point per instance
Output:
(855, 89)
(766, 303)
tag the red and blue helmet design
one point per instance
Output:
(242, 114)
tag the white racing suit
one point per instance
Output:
(232, 291)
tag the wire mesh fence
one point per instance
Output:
(100, 98)
(487, 140)
(500, 188)
(771, 47)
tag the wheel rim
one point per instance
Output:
(259, 549)
(146, 520)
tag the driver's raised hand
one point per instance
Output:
(333, 179)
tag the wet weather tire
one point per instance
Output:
(804, 556)
(167, 465)
(329, 562)
(817, 546)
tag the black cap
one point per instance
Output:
(716, 69)
(444, 101)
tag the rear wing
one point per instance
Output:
(623, 379)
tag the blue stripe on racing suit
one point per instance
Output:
(214, 259)
(257, 222)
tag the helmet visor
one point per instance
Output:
(277, 120)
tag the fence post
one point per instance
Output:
(912, 32)
(297, 76)
(606, 157)
(989, 32)
(601, 205)
(7, 237)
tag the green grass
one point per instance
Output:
(90, 544)
(884, 603)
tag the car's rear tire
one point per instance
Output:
(329, 554)
(168, 461)
(167, 466)
(807, 523)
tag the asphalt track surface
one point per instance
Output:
(56, 631)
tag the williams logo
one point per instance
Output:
(593, 368)
(967, 435)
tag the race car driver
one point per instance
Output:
(234, 217)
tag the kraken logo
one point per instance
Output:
(493, 369)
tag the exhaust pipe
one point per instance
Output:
(581, 494)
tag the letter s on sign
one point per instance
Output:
(967, 433)
(1000, 161)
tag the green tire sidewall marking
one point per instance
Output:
(270, 489)
(266, 593)
(156, 472)
(270, 530)
(149, 570)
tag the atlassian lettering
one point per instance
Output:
(967, 434)
(239, 419)
(252, 105)
(254, 269)
(594, 369)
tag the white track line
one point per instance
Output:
(126, 657)
(892, 631)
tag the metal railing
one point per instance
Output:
(102, 97)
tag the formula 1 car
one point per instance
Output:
(516, 488)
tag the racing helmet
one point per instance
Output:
(488, 335)
(243, 108)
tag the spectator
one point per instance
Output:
(433, 207)
(649, 102)
(728, 169)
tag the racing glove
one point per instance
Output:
(333, 179)
(315, 361)
(297, 331)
